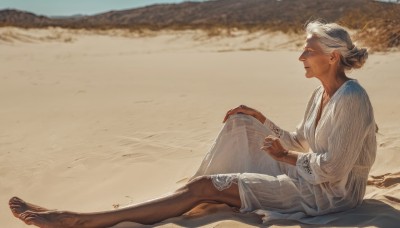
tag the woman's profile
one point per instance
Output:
(255, 166)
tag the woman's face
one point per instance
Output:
(316, 62)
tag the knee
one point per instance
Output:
(202, 188)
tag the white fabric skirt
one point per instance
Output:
(264, 184)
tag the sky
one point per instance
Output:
(74, 7)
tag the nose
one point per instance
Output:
(301, 57)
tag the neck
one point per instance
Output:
(333, 81)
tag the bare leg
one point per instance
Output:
(197, 191)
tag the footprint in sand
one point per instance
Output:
(387, 180)
(139, 157)
(393, 199)
(389, 142)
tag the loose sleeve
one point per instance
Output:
(290, 140)
(293, 140)
(352, 119)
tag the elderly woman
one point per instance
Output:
(256, 166)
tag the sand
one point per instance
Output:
(92, 121)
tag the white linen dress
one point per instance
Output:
(330, 175)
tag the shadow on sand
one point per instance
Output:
(372, 213)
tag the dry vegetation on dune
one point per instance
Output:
(377, 23)
(382, 35)
(379, 28)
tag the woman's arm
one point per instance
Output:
(294, 141)
(291, 140)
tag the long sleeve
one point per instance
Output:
(290, 140)
(352, 120)
(293, 140)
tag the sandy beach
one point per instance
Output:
(93, 121)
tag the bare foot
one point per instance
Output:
(18, 206)
(51, 219)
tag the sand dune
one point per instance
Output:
(97, 120)
(220, 40)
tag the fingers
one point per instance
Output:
(227, 116)
(268, 141)
(267, 144)
(273, 147)
(240, 109)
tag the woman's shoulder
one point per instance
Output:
(352, 87)
(352, 93)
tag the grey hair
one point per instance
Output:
(333, 37)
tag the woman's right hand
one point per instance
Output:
(243, 109)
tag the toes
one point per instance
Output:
(30, 217)
(15, 201)
(13, 206)
(14, 210)
(16, 205)
(39, 219)
(29, 220)
(17, 210)
(26, 216)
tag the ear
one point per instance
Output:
(334, 57)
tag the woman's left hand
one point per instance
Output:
(243, 109)
(273, 147)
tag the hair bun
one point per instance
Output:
(355, 58)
